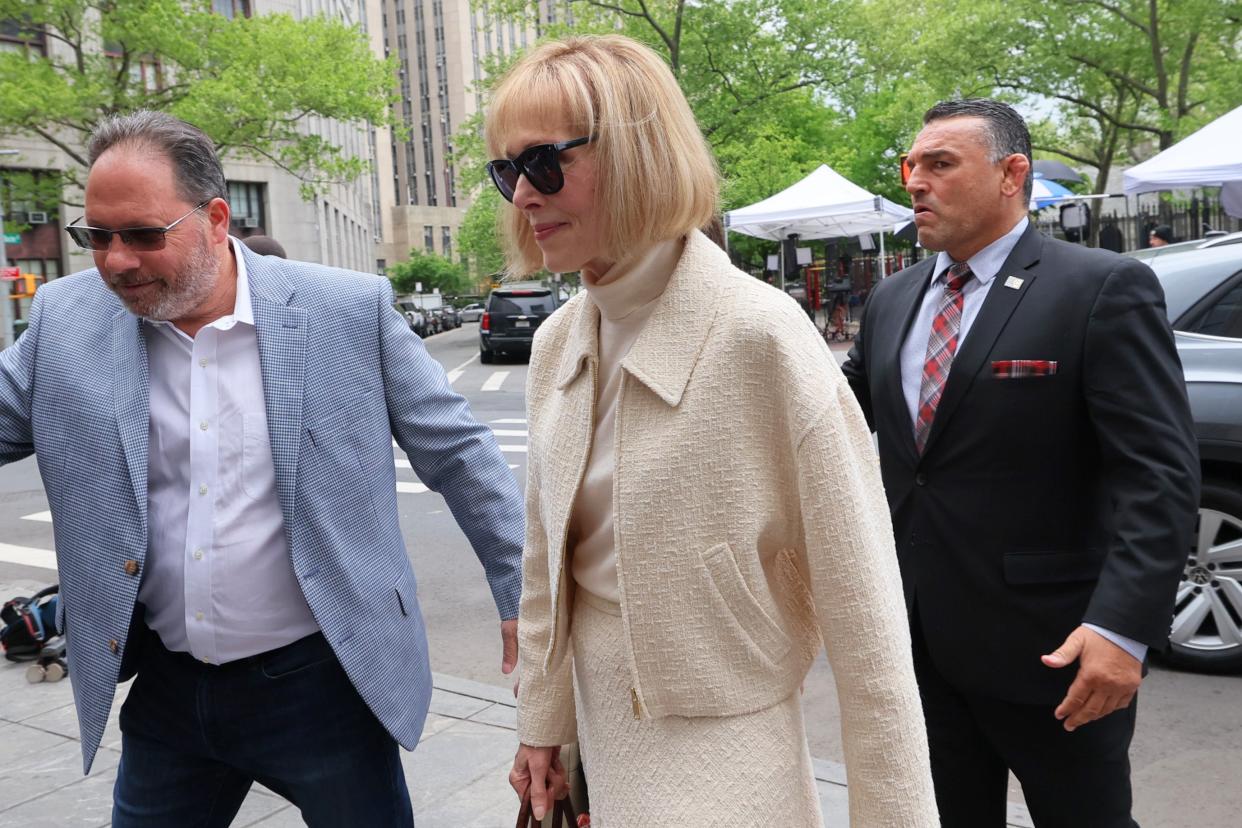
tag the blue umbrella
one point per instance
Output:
(1045, 192)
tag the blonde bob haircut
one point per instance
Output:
(654, 173)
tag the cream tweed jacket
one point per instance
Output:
(750, 524)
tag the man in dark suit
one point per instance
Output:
(1037, 452)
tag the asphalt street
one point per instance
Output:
(1187, 752)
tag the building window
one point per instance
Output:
(446, 236)
(16, 36)
(246, 204)
(429, 238)
(231, 8)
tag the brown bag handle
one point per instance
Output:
(562, 814)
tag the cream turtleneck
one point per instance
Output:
(626, 295)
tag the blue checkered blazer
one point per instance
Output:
(343, 375)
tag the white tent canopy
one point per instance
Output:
(1209, 158)
(821, 206)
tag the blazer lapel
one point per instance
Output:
(997, 308)
(908, 297)
(281, 333)
(132, 402)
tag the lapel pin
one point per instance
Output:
(1013, 282)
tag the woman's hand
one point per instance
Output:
(539, 770)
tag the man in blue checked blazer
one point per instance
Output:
(214, 430)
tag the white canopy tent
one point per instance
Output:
(1208, 158)
(824, 205)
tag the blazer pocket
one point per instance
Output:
(1053, 567)
(754, 620)
(405, 593)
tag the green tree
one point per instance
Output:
(248, 82)
(478, 237)
(430, 272)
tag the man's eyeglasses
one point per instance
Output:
(135, 238)
(541, 165)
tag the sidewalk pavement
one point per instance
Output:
(458, 776)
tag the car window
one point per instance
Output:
(521, 303)
(1224, 316)
(1188, 277)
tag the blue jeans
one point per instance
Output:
(196, 736)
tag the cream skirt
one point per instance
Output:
(746, 771)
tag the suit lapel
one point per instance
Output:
(281, 332)
(905, 306)
(132, 402)
(997, 308)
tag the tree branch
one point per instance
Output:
(61, 145)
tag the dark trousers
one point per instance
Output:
(195, 737)
(1069, 780)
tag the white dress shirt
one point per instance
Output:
(985, 265)
(218, 582)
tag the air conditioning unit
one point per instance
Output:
(37, 218)
(249, 222)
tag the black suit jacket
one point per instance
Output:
(1042, 502)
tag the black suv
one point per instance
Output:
(510, 318)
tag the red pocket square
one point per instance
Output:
(1014, 368)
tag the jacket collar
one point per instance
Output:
(667, 349)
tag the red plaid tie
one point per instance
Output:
(941, 346)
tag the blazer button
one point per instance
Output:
(920, 479)
(113, 646)
(131, 568)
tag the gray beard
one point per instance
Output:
(194, 285)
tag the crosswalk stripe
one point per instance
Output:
(515, 449)
(510, 432)
(453, 376)
(28, 556)
(410, 488)
(510, 421)
(41, 517)
(495, 381)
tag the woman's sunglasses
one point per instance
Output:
(143, 239)
(541, 165)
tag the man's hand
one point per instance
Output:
(1108, 677)
(508, 645)
(539, 770)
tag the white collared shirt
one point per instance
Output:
(985, 265)
(218, 582)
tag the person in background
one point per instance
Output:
(265, 246)
(703, 500)
(1160, 235)
(1041, 466)
(215, 433)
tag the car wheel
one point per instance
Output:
(486, 357)
(1207, 618)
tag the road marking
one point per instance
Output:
(42, 517)
(510, 421)
(455, 375)
(495, 381)
(510, 432)
(512, 466)
(28, 556)
(462, 367)
(515, 449)
(411, 488)
(402, 464)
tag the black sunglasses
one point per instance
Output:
(136, 238)
(541, 165)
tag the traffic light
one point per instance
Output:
(25, 285)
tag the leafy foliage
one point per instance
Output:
(430, 272)
(249, 83)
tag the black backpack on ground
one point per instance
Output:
(29, 624)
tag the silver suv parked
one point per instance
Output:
(1203, 291)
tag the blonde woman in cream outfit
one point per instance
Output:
(703, 500)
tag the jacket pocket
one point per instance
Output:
(405, 593)
(753, 619)
(1052, 567)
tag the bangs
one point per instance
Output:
(537, 95)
